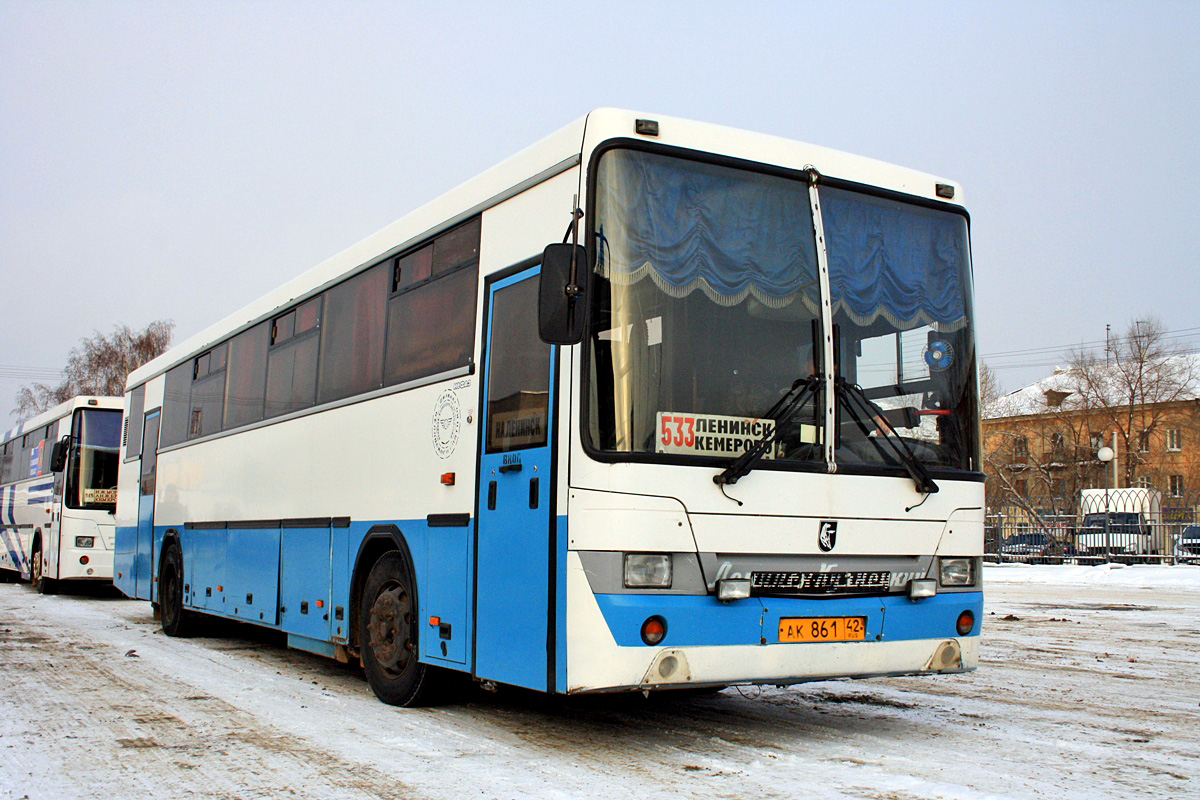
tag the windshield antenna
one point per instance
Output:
(917, 505)
(727, 497)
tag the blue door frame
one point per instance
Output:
(515, 554)
(144, 559)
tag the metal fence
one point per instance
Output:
(1124, 525)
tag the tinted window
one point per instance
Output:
(352, 336)
(518, 400)
(137, 405)
(6, 461)
(176, 408)
(413, 268)
(208, 394)
(150, 453)
(456, 247)
(246, 384)
(431, 329)
(291, 376)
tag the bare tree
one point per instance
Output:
(989, 386)
(1137, 382)
(99, 366)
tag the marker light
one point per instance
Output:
(83, 560)
(653, 630)
(729, 589)
(957, 571)
(965, 624)
(647, 570)
(923, 587)
(646, 127)
(447, 479)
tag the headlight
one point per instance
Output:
(85, 541)
(647, 571)
(957, 571)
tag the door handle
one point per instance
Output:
(511, 467)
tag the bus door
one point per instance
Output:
(144, 558)
(514, 549)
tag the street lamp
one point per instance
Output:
(1105, 455)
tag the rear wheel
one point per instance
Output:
(388, 635)
(37, 577)
(175, 621)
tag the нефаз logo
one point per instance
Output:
(828, 536)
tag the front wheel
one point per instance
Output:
(37, 577)
(388, 635)
(175, 621)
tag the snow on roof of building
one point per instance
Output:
(1065, 389)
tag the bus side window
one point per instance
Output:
(351, 359)
(133, 437)
(292, 360)
(246, 384)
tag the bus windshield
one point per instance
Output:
(707, 310)
(92, 471)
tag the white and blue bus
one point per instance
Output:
(58, 494)
(651, 404)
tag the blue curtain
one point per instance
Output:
(895, 260)
(690, 226)
(732, 233)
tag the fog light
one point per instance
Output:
(83, 559)
(957, 571)
(965, 624)
(647, 570)
(85, 541)
(922, 587)
(733, 589)
(654, 629)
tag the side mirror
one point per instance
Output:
(562, 300)
(58, 455)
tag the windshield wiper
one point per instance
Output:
(862, 410)
(783, 410)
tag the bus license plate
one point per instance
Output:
(823, 629)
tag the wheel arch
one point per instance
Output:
(170, 539)
(380, 540)
(35, 554)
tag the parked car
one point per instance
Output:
(1187, 546)
(1028, 545)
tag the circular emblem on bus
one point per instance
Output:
(446, 412)
(939, 355)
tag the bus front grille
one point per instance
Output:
(819, 582)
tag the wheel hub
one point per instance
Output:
(388, 628)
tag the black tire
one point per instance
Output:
(388, 635)
(175, 620)
(37, 578)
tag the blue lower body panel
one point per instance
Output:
(299, 580)
(694, 620)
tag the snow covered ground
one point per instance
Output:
(1089, 688)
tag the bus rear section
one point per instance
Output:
(59, 493)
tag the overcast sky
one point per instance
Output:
(171, 160)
